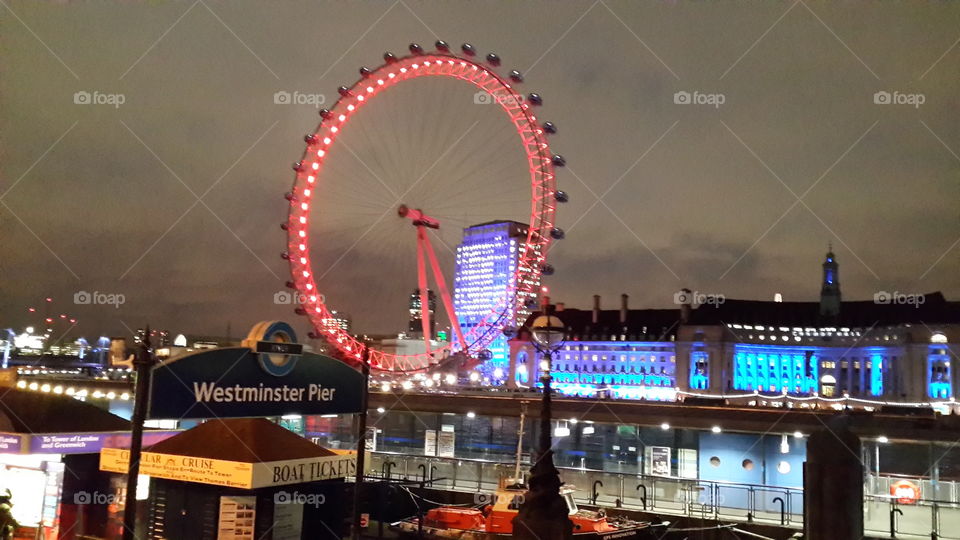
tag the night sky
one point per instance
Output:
(174, 198)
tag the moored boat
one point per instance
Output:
(495, 522)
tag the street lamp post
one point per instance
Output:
(544, 513)
(361, 443)
(143, 363)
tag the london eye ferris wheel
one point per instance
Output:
(406, 159)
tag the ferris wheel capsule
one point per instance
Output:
(343, 91)
(557, 233)
(297, 166)
(310, 138)
(285, 256)
(364, 72)
(547, 269)
(415, 48)
(468, 49)
(561, 197)
(389, 57)
(284, 227)
(325, 113)
(558, 160)
(290, 196)
(535, 98)
(550, 127)
(442, 46)
(493, 59)
(516, 76)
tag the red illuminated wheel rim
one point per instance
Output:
(309, 183)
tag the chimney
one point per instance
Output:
(684, 298)
(623, 309)
(560, 306)
(596, 308)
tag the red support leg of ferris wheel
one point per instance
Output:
(444, 292)
(422, 284)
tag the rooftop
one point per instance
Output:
(935, 309)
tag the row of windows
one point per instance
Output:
(665, 381)
(633, 348)
(576, 368)
(621, 358)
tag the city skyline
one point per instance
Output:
(701, 194)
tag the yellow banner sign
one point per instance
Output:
(184, 468)
(232, 473)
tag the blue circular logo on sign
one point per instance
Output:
(277, 364)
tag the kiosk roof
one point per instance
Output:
(247, 440)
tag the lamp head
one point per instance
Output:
(548, 332)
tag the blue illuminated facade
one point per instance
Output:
(637, 370)
(862, 353)
(484, 279)
(813, 362)
(938, 372)
(775, 368)
(699, 370)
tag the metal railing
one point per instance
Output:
(668, 495)
(883, 515)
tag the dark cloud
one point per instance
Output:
(115, 201)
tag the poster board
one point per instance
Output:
(237, 518)
(287, 521)
(660, 460)
(430, 442)
(446, 443)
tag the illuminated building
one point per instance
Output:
(415, 328)
(484, 283)
(338, 320)
(623, 353)
(158, 338)
(861, 353)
